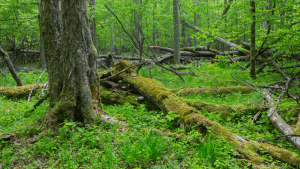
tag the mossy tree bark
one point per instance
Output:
(71, 62)
(50, 30)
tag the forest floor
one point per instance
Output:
(147, 139)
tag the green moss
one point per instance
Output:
(213, 90)
(19, 92)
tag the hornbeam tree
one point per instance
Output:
(71, 62)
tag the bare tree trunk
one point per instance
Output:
(137, 29)
(94, 27)
(176, 32)
(253, 50)
(196, 24)
(10, 66)
(267, 22)
(42, 52)
(112, 47)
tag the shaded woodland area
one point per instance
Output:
(150, 84)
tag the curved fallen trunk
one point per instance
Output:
(278, 122)
(167, 101)
(212, 90)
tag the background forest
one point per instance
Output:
(236, 89)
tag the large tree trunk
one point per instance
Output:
(10, 66)
(72, 75)
(50, 30)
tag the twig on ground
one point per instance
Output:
(35, 85)
(244, 83)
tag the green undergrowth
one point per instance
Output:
(26, 78)
(140, 145)
(207, 75)
(14, 115)
(141, 138)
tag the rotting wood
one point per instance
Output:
(167, 101)
(278, 122)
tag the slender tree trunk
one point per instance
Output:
(112, 47)
(42, 53)
(95, 27)
(252, 48)
(196, 24)
(184, 33)
(137, 29)
(176, 32)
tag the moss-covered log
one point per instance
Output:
(212, 90)
(167, 101)
(111, 97)
(223, 110)
(19, 92)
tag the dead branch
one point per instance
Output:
(278, 122)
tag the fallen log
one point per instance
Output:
(223, 41)
(204, 48)
(186, 53)
(10, 67)
(166, 58)
(112, 96)
(278, 122)
(196, 53)
(118, 57)
(212, 90)
(167, 101)
(19, 92)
